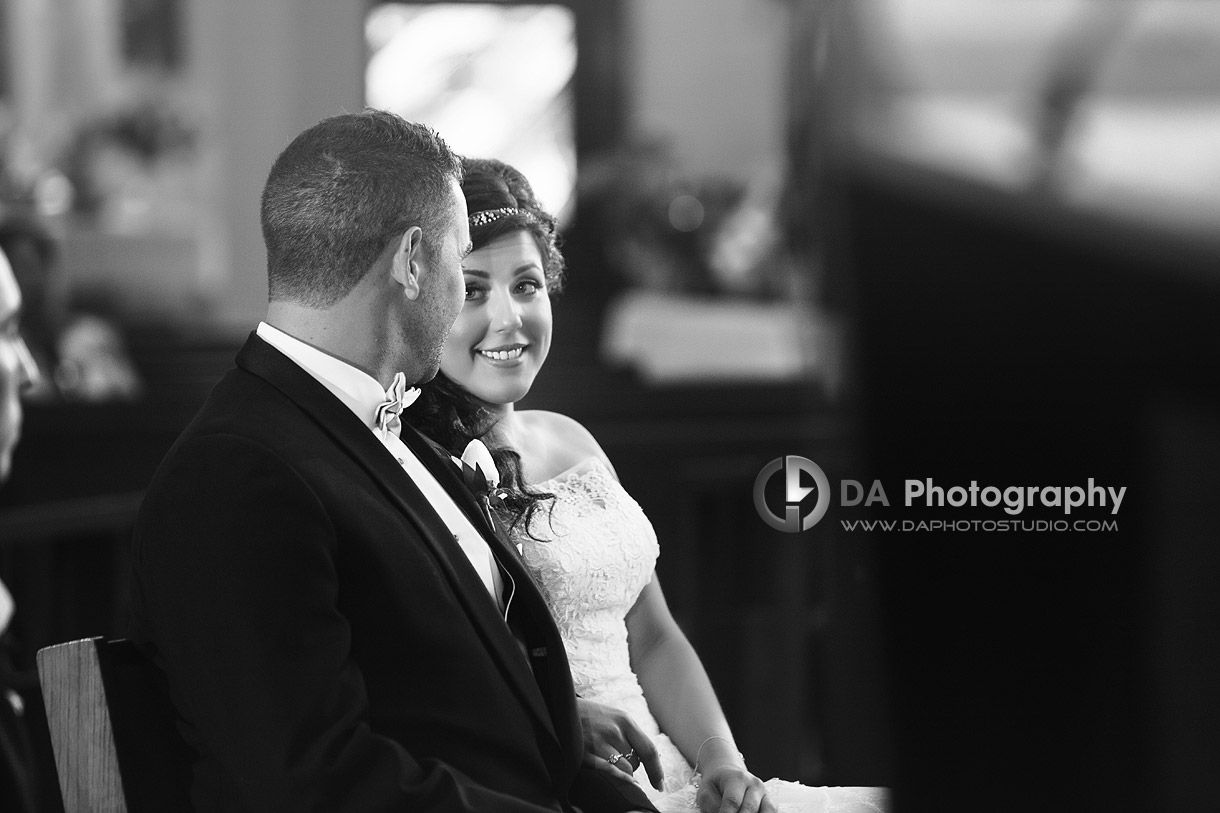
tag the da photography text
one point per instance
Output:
(807, 494)
(1014, 499)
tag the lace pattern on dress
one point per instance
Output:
(596, 554)
(593, 554)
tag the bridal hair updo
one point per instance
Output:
(499, 201)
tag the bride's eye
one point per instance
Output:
(529, 286)
(473, 291)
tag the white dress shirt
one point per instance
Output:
(361, 393)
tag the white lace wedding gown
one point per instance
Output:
(597, 552)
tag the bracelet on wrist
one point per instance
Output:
(699, 753)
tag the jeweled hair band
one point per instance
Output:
(491, 215)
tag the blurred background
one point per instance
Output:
(960, 239)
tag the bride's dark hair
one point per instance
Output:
(492, 187)
(500, 201)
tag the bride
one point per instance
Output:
(645, 700)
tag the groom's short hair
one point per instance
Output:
(340, 191)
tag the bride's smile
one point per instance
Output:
(502, 356)
(503, 334)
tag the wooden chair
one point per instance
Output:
(112, 729)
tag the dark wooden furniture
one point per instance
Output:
(112, 728)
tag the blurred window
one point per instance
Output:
(1107, 103)
(495, 80)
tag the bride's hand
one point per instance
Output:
(729, 788)
(609, 732)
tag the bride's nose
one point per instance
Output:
(506, 313)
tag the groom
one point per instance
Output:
(340, 629)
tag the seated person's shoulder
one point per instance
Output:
(559, 444)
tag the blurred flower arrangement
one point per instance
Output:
(81, 353)
(78, 347)
(29, 181)
(129, 170)
(107, 150)
(713, 291)
(669, 233)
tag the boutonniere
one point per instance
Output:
(481, 477)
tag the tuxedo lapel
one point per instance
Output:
(439, 462)
(337, 421)
(527, 599)
(441, 466)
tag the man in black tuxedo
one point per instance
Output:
(340, 628)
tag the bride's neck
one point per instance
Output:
(508, 429)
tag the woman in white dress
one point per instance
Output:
(647, 706)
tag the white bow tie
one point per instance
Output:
(397, 398)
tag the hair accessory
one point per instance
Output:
(492, 215)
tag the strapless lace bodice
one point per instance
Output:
(592, 553)
(597, 553)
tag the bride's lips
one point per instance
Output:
(504, 356)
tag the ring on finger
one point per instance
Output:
(630, 756)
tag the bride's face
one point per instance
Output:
(503, 333)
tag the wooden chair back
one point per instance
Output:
(117, 749)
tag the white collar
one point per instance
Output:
(358, 390)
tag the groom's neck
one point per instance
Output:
(335, 330)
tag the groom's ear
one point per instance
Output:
(405, 264)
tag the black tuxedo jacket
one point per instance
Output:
(327, 644)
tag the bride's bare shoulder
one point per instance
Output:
(560, 443)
